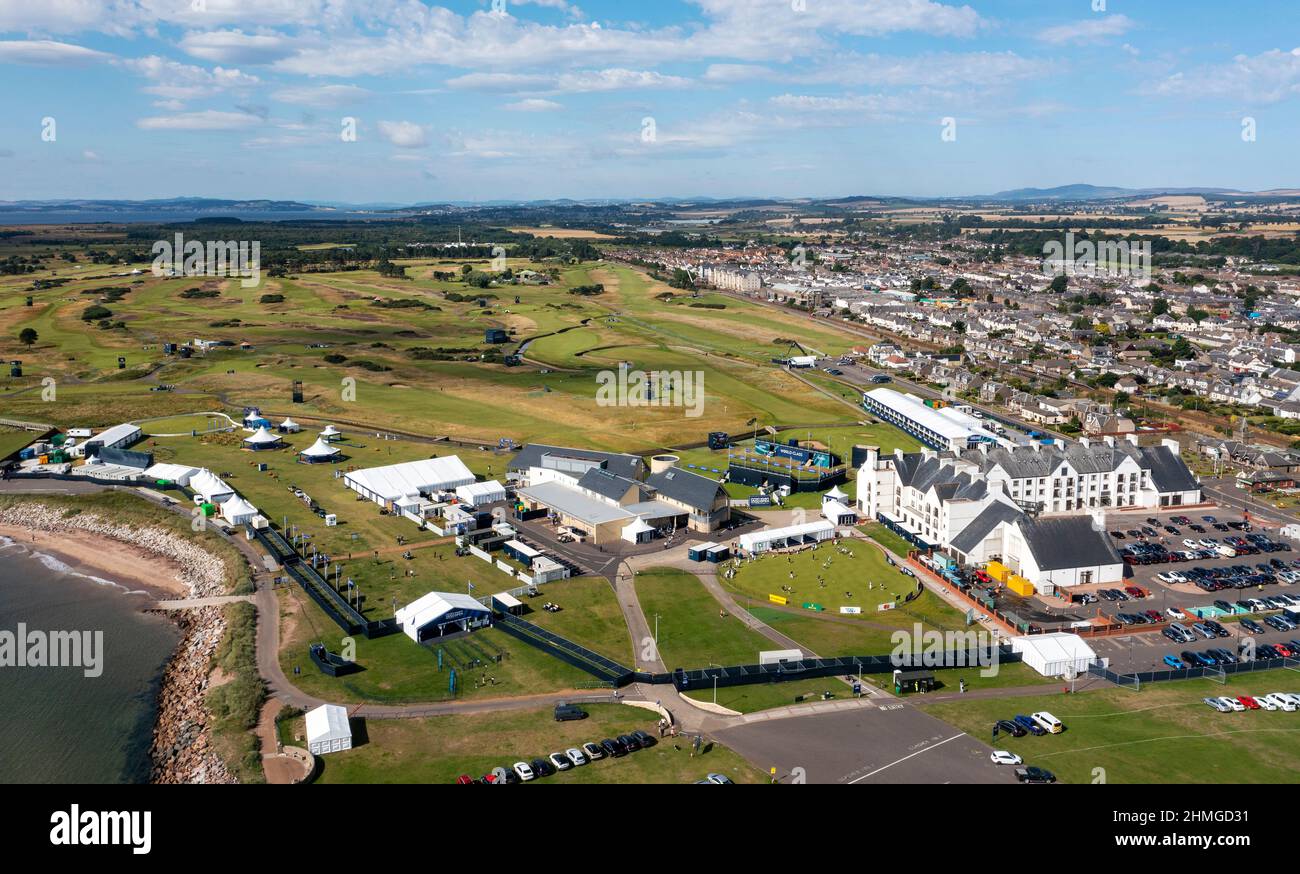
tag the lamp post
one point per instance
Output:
(715, 683)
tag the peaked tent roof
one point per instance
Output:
(262, 436)
(320, 449)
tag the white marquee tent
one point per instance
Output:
(476, 494)
(237, 511)
(385, 485)
(1056, 654)
(210, 487)
(262, 439)
(328, 730)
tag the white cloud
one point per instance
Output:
(206, 120)
(937, 70)
(323, 96)
(404, 134)
(236, 47)
(176, 81)
(1088, 30)
(578, 82)
(1264, 78)
(44, 52)
(534, 104)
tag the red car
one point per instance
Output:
(1286, 651)
(1153, 616)
(983, 577)
(464, 780)
(1251, 703)
(1135, 592)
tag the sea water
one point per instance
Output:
(58, 725)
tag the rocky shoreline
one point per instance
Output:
(181, 750)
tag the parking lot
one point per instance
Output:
(1190, 578)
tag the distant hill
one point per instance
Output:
(1093, 192)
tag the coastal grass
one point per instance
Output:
(1163, 734)
(439, 749)
(12, 440)
(886, 538)
(236, 702)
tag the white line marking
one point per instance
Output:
(905, 758)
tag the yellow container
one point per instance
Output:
(997, 571)
(1020, 586)
(44, 459)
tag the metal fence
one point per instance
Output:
(1215, 672)
(577, 655)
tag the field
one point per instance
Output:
(1163, 734)
(378, 352)
(438, 749)
(692, 634)
(399, 671)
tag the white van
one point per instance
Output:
(1048, 722)
(1226, 551)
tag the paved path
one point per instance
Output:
(195, 603)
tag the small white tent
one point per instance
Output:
(289, 426)
(210, 487)
(638, 531)
(1056, 654)
(331, 433)
(319, 451)
(237, 511)
(262, 439)
(328, 730)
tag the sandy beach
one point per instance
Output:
(131, 567)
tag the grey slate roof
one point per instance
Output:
(631, 466)
(1068, 542)
(979, 528)
(610, 485)
(691, 489)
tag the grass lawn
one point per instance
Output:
(691, 633)
(886, 538)
(399, 671)
(11, 441)
(1163, 734)
(589, 615)
(764, 696)
(438, 749)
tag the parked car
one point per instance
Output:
(1002, 757)
(560, 761)
(524, 771)
(720, 779)
(1029, 725)
(1012, 728)
(569, 713)
(593, 751)
(1034, 775)
(1217, 704)
(613, 748)
(543, 768)
(1174, 662)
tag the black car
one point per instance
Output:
(613, 748)
(645, 740)
(631, 743)
(1034, 775)
(1006, 726)
(569, 713)
(543, 768)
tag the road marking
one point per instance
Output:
(905, 758)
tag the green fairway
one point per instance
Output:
(439, 749)
(692, 634)
(1163, 734)
(12, 440)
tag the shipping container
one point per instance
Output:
(997, 571)
(1020, 586)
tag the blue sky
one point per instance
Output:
(483, 100)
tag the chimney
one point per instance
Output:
(1038, 447)
(1131, 438)
(927, 453)
(1085, 442)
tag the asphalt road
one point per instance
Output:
(893, 743)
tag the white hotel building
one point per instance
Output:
(1038, 509)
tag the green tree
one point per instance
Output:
(28, 336)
